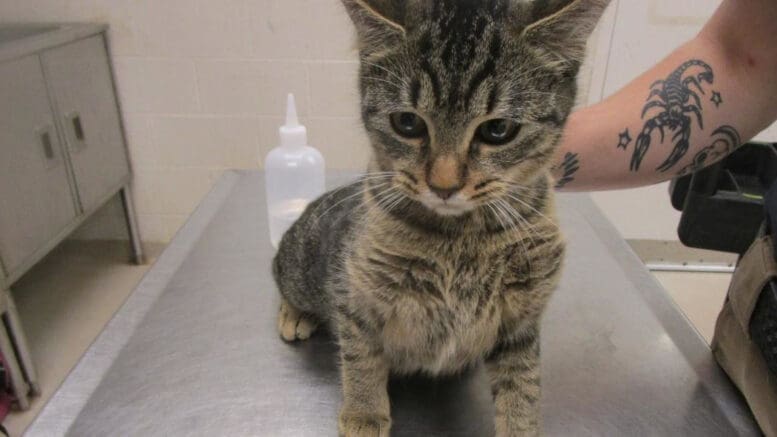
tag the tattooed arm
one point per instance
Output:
(687, 112)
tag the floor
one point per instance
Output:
(65, 301)
(699, 295)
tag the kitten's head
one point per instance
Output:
(466, 99)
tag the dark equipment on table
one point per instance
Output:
(723, 205)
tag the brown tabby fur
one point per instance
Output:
(409, 283)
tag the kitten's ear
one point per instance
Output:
(378, 22)
(561, 28)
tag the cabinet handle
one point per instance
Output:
(78, 137)
(47, 144)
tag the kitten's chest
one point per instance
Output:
(440, 312)
(454, 279)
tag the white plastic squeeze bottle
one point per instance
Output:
(294, 173)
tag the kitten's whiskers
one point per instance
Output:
(533, 209)
(490, 205)
(361, 192)
(381, 199)
(500, 204)
(515, 213)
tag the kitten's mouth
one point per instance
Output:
(449, 210)
(455, 206)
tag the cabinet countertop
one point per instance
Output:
(22, 39)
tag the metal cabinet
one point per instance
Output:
(62, 149)
(35, 195)
(79, 78)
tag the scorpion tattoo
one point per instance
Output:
(678, 100)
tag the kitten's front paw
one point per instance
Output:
(363, 425)
(293, 324)
(518, 428)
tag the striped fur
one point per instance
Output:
(406, 283)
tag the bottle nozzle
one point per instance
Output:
(292, 133)
(291, 112)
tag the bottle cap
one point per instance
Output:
(292, 133)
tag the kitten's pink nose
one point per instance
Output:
(444, 193)
(446, 176)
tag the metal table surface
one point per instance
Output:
(194, 350)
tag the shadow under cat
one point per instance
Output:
(458, 406)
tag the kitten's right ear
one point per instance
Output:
(560, 28)
(379, 23)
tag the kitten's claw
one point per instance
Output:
(293, 324)
(357, 425)
(306, 327)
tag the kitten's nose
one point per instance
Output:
(444, 193)
(446, 176)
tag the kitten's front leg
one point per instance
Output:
(364, 374)
(514, 371)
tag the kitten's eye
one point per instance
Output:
(408, 125)
(498, 132)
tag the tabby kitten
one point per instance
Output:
(446, 253)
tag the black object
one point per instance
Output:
(763, 325)
(723, 205)
(770, 207)
(763, 322)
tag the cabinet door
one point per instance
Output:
(35, 196)
(80, 80)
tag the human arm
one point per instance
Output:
(706, 97)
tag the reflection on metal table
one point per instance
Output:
(194, 350)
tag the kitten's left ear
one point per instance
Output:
(379, 23)
(561, 28)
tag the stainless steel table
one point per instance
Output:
(194, 350)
